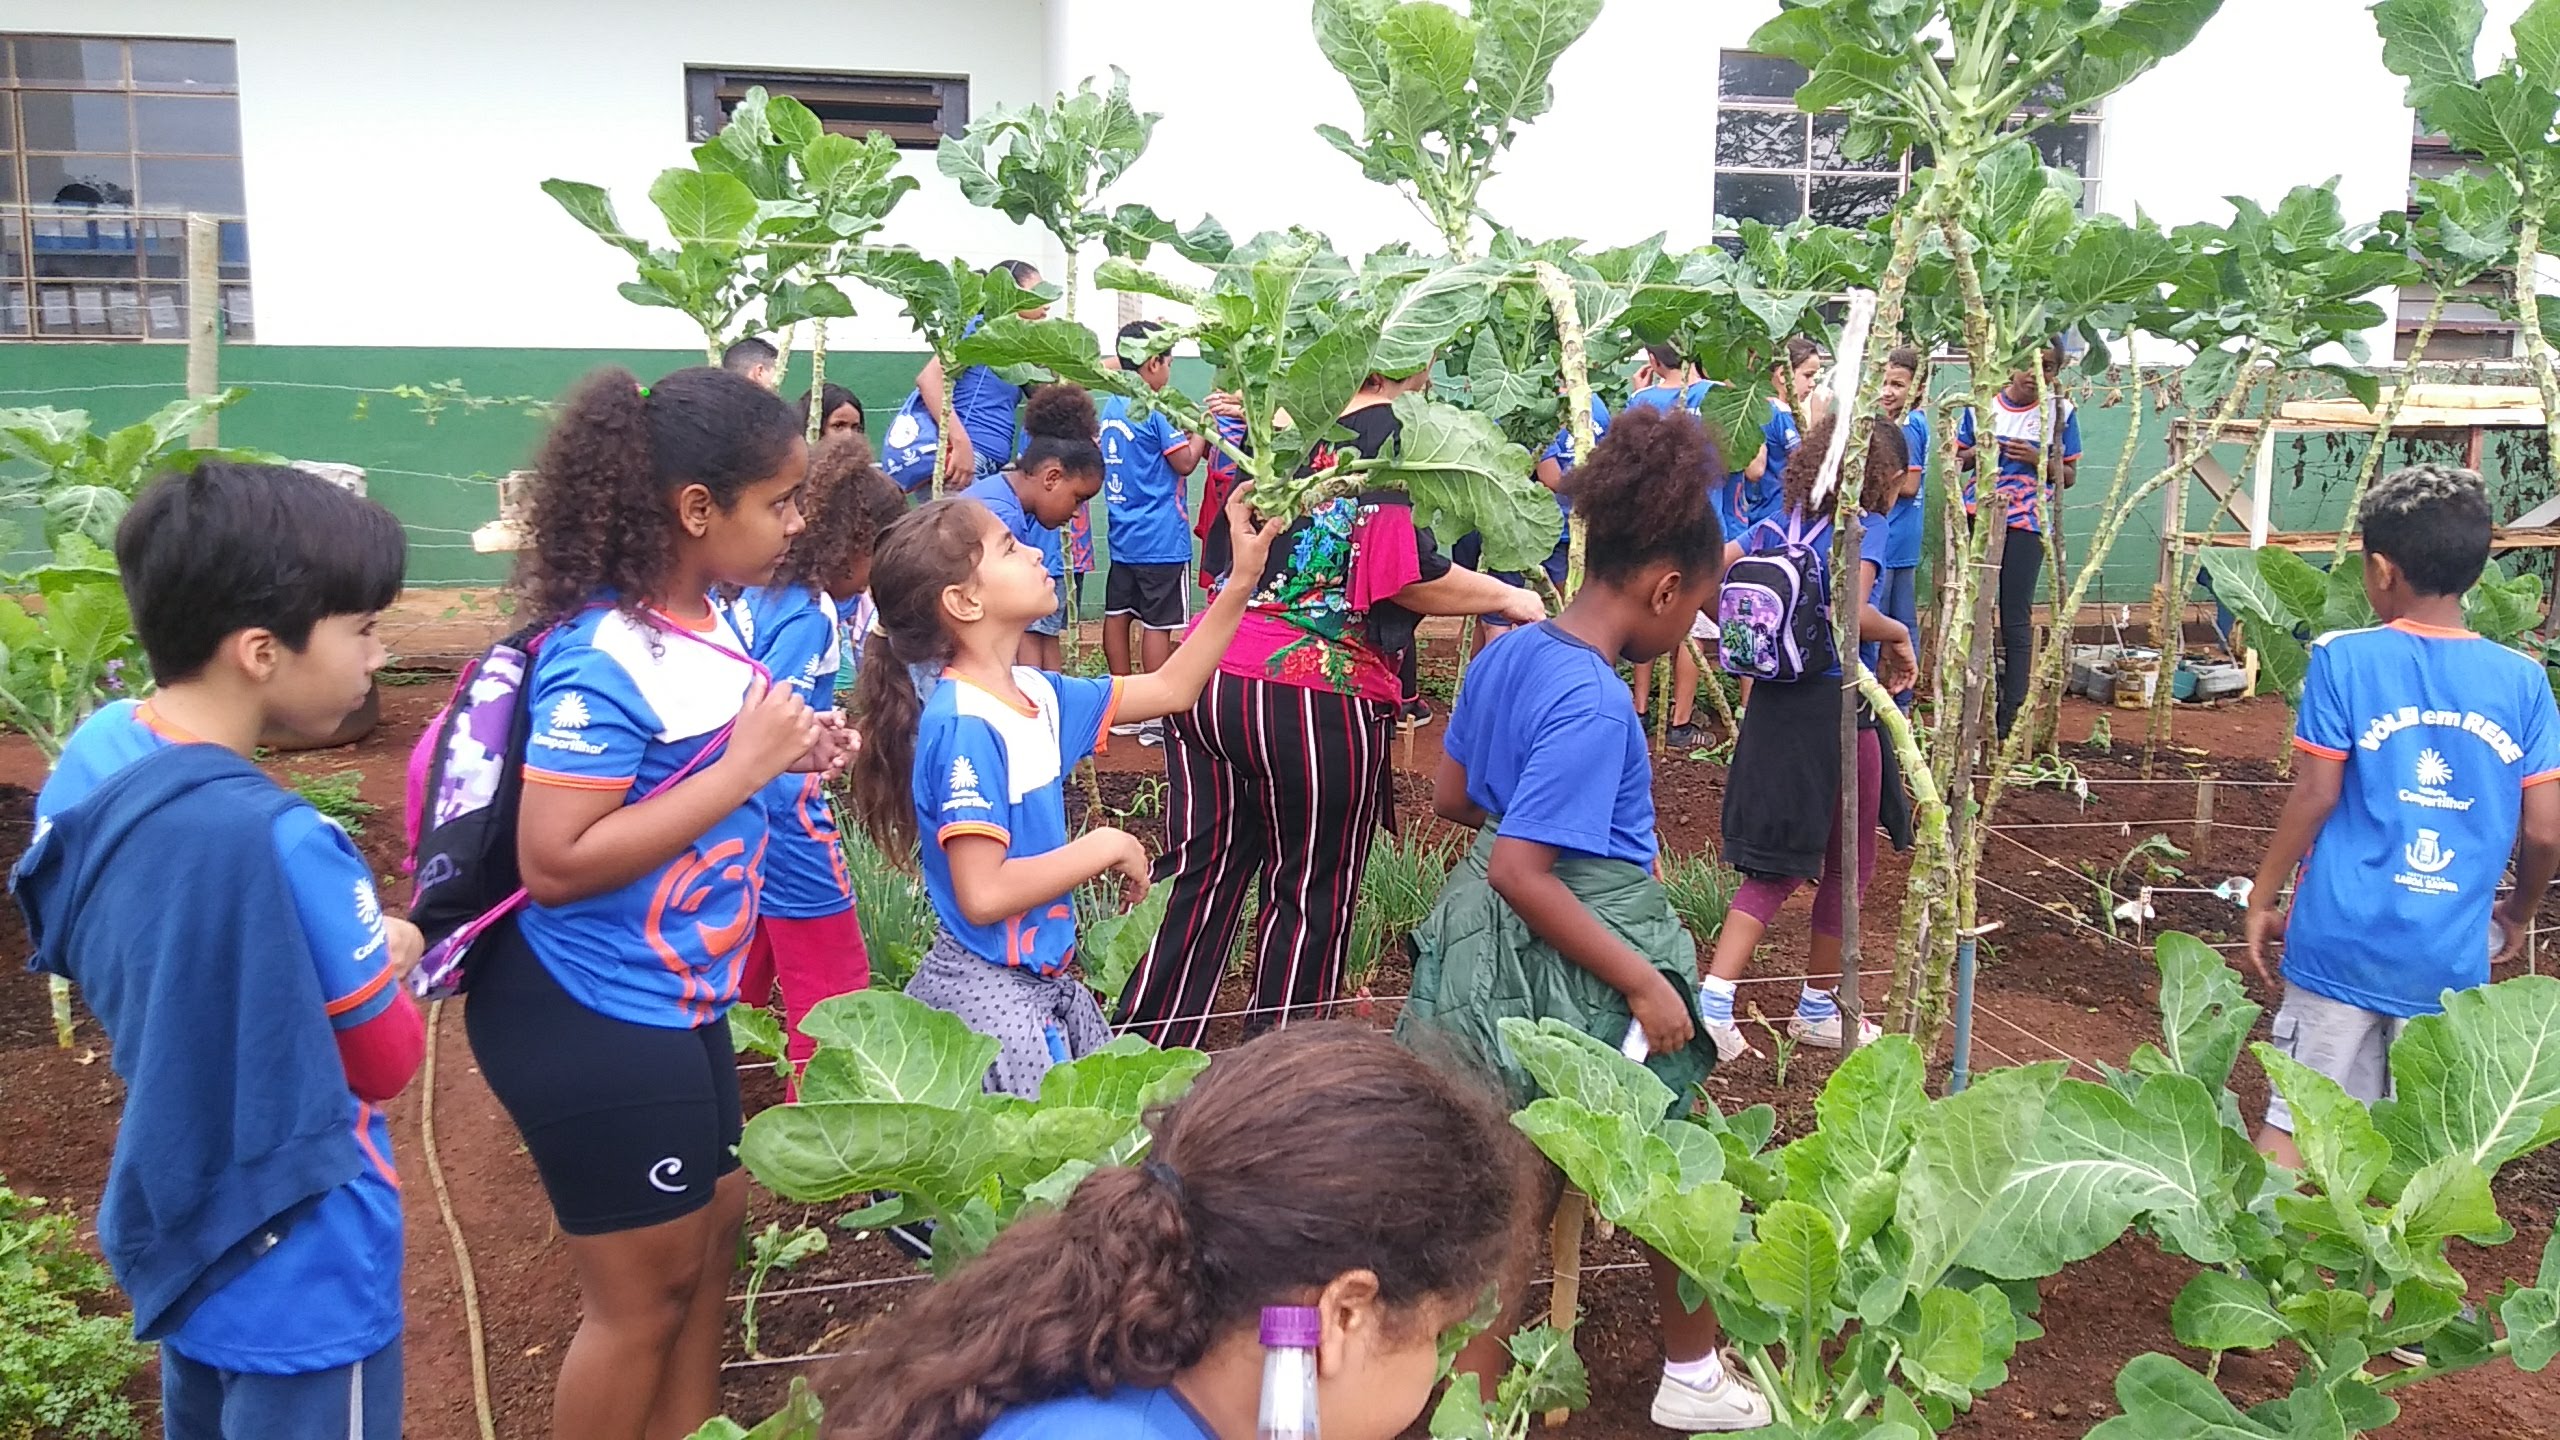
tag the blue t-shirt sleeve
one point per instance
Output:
(961, 780)
(341, 917)
(2324, 725)
(1555, 800)
(1161, 434)
(797, 647)
(1964, 429)
(2071, 433)
(1875, 540)
(2541, 736)
(590, 726)
(1085, 707)
(1916, 433)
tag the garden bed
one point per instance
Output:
(2052, 983)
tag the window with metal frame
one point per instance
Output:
(915, 111)
(106, 145)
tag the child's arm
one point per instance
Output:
(959, 457)
(1898, 665)
(1523, 873)
(2316, 781)
(2537, 859)
(1449, 795)
(991, 884)
(1176, 686)
(577, 840)
(381, 1055)
(1471, 592)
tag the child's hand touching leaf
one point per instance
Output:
(1253, 539)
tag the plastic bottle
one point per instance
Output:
(1289, 1336)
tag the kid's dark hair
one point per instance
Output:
(1800, 348)
(832, 398)
(930, 549)
(1888, 463)
(1903, 357)
(1020, 270)
(618, 452)
(2433, 522)
(1647, 495)
(1665, 356)
(1263, 1186)
(1063, 427)
(1144, 332)
(745, 355)
(844, 505)
(223, 548)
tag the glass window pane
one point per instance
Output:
(13, 310)
(185, 65)
(1760, 139)
(1775, 199)
(80, 181)
(70, 246)
(2064, 147)
(235, 250)
(1851, 200)
(13, 247)
(164, 249)
(164, 312)
(1827, 155)
(239, 322)
(1739, 73)
(8, 169)
(212, 186)
(78, 309)
(93, 63)
(124, 311)
(186, 124)
(8, 119)
(80, 121)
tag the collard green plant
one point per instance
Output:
(2285, 602)
(1443, 94)
(63, 1369)
(944, 300)
(1111, 940)
(1546, 1375)
(80, 481)
(2353, 1262)
(800, 1418)
(768, 1250)
(894, 1100)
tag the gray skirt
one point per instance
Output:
(1041, 1020)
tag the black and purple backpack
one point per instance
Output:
(1773, 616)
(466, 781)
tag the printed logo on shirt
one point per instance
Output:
(965, 793)
(2469, 722)
(2434, 774)
(2427, 856)
(560, 732)
(368, 906)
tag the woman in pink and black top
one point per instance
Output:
(1281, 772)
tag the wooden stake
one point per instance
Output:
(204, 321)
(1564, 1252)
(2204, 820)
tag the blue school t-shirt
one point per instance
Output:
(986, 766)
(1553, 750)
(1781, 435)
(1560, 449)
(1140, 492)
(986, 404)
(2021, 483)
(792, 631)
(328, 1293)
(2440, 731)
(619, 705)
(996, 492)
(1125, 1414)
(1903, 523)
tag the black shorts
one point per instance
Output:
(1152, 593)
(628, 1124)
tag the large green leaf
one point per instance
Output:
(880, 1045)
(1428, 314)
(1967, 1147)
(2098, 1161)
(89, 623)
(2205, 1015)
(2429, 43)
(709, 210)
(1517, 44)
(1693, 1229)
(2503, 607)
(2341, 1149)
(2532, 1315)
(2537, 35)
(1871, 1106)
(1347, 32)
(1126, 1077)
(2220, 1311)
(818, 1151)
(1609, 1157)
(590, 206)
(1463, 474)
(2296, 582)
(1946, 1349)
(2480, 1081)
(2503, 119)
(1793, 1263)
(1571, 1066)
(2161, 1399)
(1110, 947)
(1431, 51)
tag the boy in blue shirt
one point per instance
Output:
(1903, 524)
(250, 1210)
(1144, 465)
(2424, 751)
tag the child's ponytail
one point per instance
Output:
(1263, 1187)
(931, 549)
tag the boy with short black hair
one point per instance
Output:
(2423, 750)
(229, 939)
(1144, 465)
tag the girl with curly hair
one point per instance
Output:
(808, 939)
(1782, 825)
(598, 1015)
(1555, 914)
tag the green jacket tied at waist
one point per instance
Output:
(1475, 962)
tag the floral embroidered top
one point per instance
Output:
(1321, 618)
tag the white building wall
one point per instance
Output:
(394, 150)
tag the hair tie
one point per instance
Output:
(644, 391)
(1164, 1175)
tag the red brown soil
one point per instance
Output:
(2050, 985)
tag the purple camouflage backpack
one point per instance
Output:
(1773, 613)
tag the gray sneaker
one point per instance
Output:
(1151, 733)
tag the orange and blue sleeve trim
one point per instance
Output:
(2323, 751)
(958, 828)
(1110, 709)
(558, 780)
(358, 998)
(2545, 778)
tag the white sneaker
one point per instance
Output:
(1732, 1403)
(1131, 728)
(1825, 1034)
(1150, 733)
(1728, 1040)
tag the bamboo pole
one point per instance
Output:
(1846, 455)
(1564, 1256)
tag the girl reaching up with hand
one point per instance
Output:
(598, 1013)
(970, 767)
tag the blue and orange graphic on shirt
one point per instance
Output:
(2023, 487)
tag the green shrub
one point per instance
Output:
(897, 919)
(63, 1370)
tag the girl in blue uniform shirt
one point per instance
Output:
(598, 1016)
(1900, 400)
(973, 769)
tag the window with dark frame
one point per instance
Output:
(914, 111)
(106, 144)
(2477, 323)
(1776, 164)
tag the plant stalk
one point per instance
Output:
(2527, 281)
(2382, 427)
(1573, 354)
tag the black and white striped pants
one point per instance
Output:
(1270, 782)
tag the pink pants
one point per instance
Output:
(1761, 898)
(813, 959)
